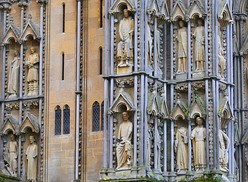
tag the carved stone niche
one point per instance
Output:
(197, 108)
(180, 109)
(196, 9)
(122, 110)
(29, 130)
(225, 112)
(224, 13)
(153, 108)
(123, 12)
(9, 131)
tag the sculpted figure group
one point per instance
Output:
(198, 137)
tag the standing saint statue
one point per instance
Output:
(181, 147)
(221, 59)
(182, 47)
(13, 80)
(31, 153)
(13, 154)
(33, 74)
(224, 142)
(125, 46)
(199, 36)
(198, 136)
(123, 149)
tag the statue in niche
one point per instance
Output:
(158, 146)
(13, 80)
(33, 74)
(149, 39)
(224, 142)
(199, 36)
(198, 136)
(123, 149)
(125, 46)
(181, 147)
(182, 47)
(12, 150)
(148, 145)
(32, 153)
(221, 58)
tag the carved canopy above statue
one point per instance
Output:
(31, 122)
(153, 105)
(197, 108)
(123, 100)
(12, 33)
(225, 108)
(180, 110)
(158, 8)
(31, 29)
(118, 5)
(163, 112)
(196, 9)
(11, 124)
(178, 12)
(224, 14)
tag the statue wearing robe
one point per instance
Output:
(198, 136)
(123, 149)
(199, 46)
(182, 50)
(181, 146)
(12, 155)
(33, 74)
(31, 153)
(125, 46)
(224, 142)
(13, 80)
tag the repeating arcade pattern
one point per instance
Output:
(22, 125)
(170, 112)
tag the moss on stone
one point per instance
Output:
(5, 178)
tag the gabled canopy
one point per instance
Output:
(122, 100)
(153, 105)
(163, 112)
(178, 11)
(164, 11)
(31, 29)
(118, 4)
(153, 7)
(11, 124)
(180, 110)
(225, 108)
(224, 14)
(197, 107)
(196, 9)
(12, 33)
(30, 121)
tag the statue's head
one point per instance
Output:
(200, 22)
(125, 13)
(16, 53)
(181, 24)
(31, 139)
(125, 116)
(199, 121)
(12, 137)
(32, 50)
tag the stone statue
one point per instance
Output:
(181, 147)
(221, 59)
(13, 80)
(123, 149)
(158, 145)
(32, 153)
(33, 74)
(199, 36)
(182, 47)
(125, 46)
(224, 145)
(198, 136)
(12, 155)
(149, 40)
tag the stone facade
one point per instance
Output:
(117, 89)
